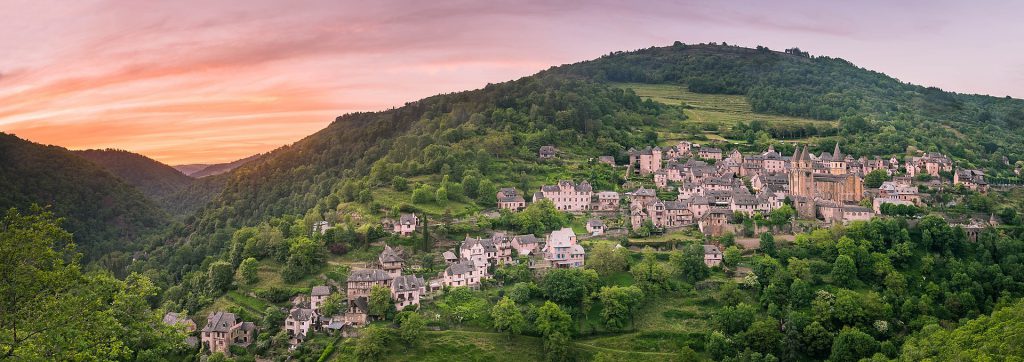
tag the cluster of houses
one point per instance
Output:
(828, 186)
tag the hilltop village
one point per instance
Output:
(717, 194)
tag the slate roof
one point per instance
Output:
(407, 283)
(390, 255)
(220, 322)
(595, 223)
(300, 314)
(527, 239)
(321, 290)
(460, 267)
(368, 275)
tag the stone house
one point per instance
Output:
(406, 224)
(567, 195)
(595, 227)
(317, 296)
(712, 256)
(510, 199)
(359, 284)
(607, 201)
(608, 160)
(525, 244)
(299, 324)
(547, 152)
(223, 330)
(406, 290)
(177, 319)
(562, 251)
(900, 190)
(971, 179)
(710, 153)
(715, 221)
(642, 196)
(461, 274)
(390, 261)
(648, 160)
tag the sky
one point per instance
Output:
(215, 81)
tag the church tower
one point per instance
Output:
(838, 165)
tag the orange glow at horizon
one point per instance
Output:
(216, 81)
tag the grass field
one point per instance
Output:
(720, 109)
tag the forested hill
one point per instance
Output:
(219, 168)
(154, 179)
(494, 132)
(103, 212)
(878, 114)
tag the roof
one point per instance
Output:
(220, 322)
(711, 249)
(321, 290)
(406, 283)
(300, 314)
(460, 267)
(855, 209)
(595, 222)
(643, 192)
(368, 275)
(526, 239)
(561, 236)
(407, 219)
(389, 255)
(173, 318)
(487, 244)
(449, 255)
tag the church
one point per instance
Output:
(822, 181)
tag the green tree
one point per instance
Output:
(874, 179)
(764, 336)
(410, 327)
(486, 192)
(734, 319)
(441, 195)
(220, 274)
(373, 343)
(381, 302)
(399, 183)
(651, 275)
(507, 317)
(619, 304)
(552, 319)
(768, 244)
(304, 257)
(844, 271)
(332, 305)
(732, 256)
(851, 345)
(569, 286)
(816, 340)
(689, 263)
(248, 271)
(606, 259)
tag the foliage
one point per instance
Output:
(248, 271)
(689, 263)
(381, 302)
(53, 311)
(332, 305)
(607, 259)
(410, 327)
(985, 338)
(507, 317)
(569, 287)
(618, 304)
(852, 345)
(305, 256)
(537, 218)
(875, 178)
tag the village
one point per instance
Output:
(713, 191)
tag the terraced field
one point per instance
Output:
(708, 108)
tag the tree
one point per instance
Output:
(507, 317)
(651, 275)
(816, 340)
(689, 263)
(569, 286)
(851, 345)
(874, 179)
(441, 195)
(219, 275)
(304, 256)
(733, 320)
(248, 271)
(51, 311)
(423, 194)
(410, 327)
(486, 192)
(768, 244)
(333, 304)
(607, 259)
(731, 257)
(844, 271)
(551, 319)
(619, 304)
(764, 336)
(399, 183)
(381, 302)
(373, 343)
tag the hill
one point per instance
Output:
(190, 169)
(104, 213)
(154, 179)
(219, 168)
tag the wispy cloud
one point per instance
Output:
(209, 81)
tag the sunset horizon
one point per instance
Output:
(231, 82)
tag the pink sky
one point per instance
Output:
(215, 81)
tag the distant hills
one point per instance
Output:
(152, 178)
(105, 213)
(203, 170)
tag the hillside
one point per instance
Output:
(217, 169)
(190, 169)
(154, 179)
(104, 213)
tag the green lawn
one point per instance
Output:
(708, 108)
